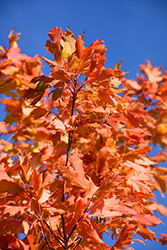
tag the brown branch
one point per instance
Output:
(73, 102)
(54, 234)
(80, 87)
(70, 136)
(77, 243)
(74, 241)
(60, 238)
(69, 146)
(76, 224)
(59, 231)
(45, 238)
(64, 232)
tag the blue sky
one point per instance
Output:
(133, 30)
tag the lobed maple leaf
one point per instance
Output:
(88, 231)
(75, 175)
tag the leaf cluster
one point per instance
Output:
(76, 161)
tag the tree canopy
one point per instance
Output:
(75, 148)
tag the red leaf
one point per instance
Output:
(163, 239)
(10, 187)
(55, 34)
(11, 242)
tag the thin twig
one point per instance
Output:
(76, 224)
(70, 89)
(77, 244)
(73, 102)
(61, 238)
(54, 234)
(74, 241)
(45, 238)
(80, 87)
(59, 231)
(69, 146)
(64, 232)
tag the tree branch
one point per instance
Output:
(54, 234)
(45, 238)
(70, 136)
(77, 243)
(76, 224)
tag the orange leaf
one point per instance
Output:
(161, 209)
(162, 183)
(79, 46)
(33, 237)
(56, 94)
(154, 74)
(36, 179)
(133, 84)
(35, 163)
(102, 156)
(12, 210)
(87, 230)
(80, 205)
(125, 237)
(60, 74)
(163, 87)
(45, 196)
(3, 128)
(76, 176)
(148, 219)
(3, 174)
(146, 233)
(59, 125)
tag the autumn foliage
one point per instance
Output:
(75, 148)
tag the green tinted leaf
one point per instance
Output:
(41, 86)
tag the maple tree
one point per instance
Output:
(75, 148)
